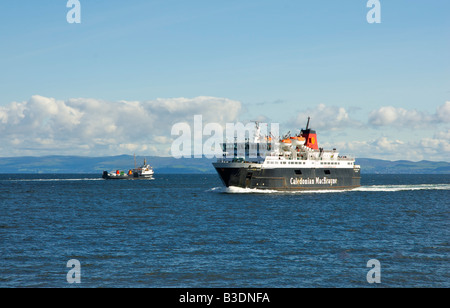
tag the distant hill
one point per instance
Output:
(369, 165)
(80, 164)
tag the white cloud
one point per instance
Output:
(384, 145)
(84, 126)
(436, 148)
(325, 118)
(439, 144)
(443, 135)
(3, 116)
(400, 117)
(443, 113)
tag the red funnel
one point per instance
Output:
(310, 137)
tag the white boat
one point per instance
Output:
(143, 172)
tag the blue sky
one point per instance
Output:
(281, 60)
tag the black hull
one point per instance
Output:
(288, 179)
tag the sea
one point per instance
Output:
(188, 231)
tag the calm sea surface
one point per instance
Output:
(188, 231)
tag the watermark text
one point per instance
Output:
(74, 275)
(74, 14)
(374, 275)
(241, 140)
(374, 14)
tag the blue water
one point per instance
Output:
(188, 231)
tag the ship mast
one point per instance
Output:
(257, 132)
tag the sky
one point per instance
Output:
(118, 81)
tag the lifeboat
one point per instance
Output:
(296, 141)
(286, 144)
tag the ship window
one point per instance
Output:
(327, 171)
(298, 171)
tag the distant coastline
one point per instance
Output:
(170, 165)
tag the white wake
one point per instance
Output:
(368, 188)
(394, 188)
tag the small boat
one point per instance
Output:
(143, 172)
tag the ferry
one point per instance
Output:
(290, 163)
(143, 172)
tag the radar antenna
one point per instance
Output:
(307, 124)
